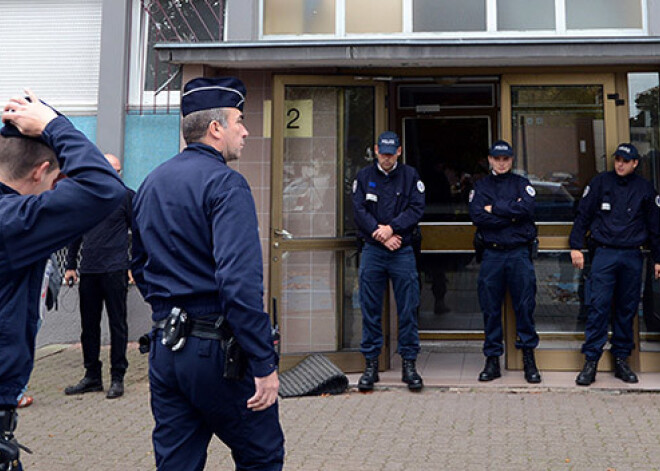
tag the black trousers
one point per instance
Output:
(95, 289)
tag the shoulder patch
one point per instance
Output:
(471, 196)
(586, 191)
(354, 186)
(420, 186)
(530, 191)
(657, 200)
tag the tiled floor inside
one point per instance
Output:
(460, 369)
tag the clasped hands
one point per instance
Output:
(386, 236)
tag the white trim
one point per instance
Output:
(340, 14)
(137, 55)
(407, 16)
(491, 16)
(260, 31)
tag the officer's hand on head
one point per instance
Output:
(30, 117)
(657, 270)
(577, 258)
(266, 392)
(69, 276)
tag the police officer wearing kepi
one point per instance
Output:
(621, 211)
(197, 261)
(388, 202)
(39, 213)
(502, 207)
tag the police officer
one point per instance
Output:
(388, 202)
(37, 218)
(621, 211)
(197, 261)
(502, 208)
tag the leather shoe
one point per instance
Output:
(370, 375)
(491, 369)
(116, 389)
(410, 376)
(532, 374)
(84, 386)
(623, 371)
(588, 373)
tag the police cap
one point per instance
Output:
(208, 93)
(627, 151)
(500, 148)
(388, 143)
(9, 130)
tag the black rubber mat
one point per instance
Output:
(313, 376)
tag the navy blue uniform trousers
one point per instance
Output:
(377, 265)
(502, 269)
(614, 273)
(191, 402)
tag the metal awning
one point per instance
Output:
(417, 53)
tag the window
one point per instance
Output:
(521, 15)
(595, 14)
(299, 16)
(374, 16)
(449, 15)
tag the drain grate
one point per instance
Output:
(313, 376)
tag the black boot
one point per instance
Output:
(491, 369)
(370, 375)
(623, 371)
(532, 374)
(410, 376)
(9, 451)
(116, 389)
(87, 384)
(588, 373)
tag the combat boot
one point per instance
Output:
(9, 452)
(588, 373)
(410, 376)
(623, 371)
(491, 369)
(532, 374)
(370, 375)
(85, 385)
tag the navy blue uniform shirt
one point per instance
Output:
(196, 246)
(395, 199)
(34, 226)
(511, 222)
(105, 247)
(619, 212)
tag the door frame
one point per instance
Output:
(279, 243)
(554, 236)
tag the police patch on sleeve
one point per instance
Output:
(471, 196)
(657, 200)
(354, 186)
(530, 191)
(586, 191)
(420, 186)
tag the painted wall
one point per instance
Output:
(150, 140)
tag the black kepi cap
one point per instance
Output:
(205, 93)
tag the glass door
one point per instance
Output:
(323, 131)
(563, 132)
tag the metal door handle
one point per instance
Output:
(283, 233)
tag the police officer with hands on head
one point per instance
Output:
(40, 212)
(197, 261)
(502, 207)
(388, 202)
(621, 212)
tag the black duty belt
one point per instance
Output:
(203, 329)
(502, 247)
(617, 247)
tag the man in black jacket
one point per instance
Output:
(103, 278)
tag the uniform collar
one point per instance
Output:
(380, 169)
(623, 180)
(7, 190)
(206, 149)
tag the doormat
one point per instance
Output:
(314, 376)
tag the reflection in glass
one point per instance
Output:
(559, 143)
(450, 154)
(593, 14)
(523, 15)
(449, 15)
(449, 300)
(374, 16)
(352, 319)
(342, 131)
(299, 16)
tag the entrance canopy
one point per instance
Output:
(417, 53)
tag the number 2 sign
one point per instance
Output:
(298, 118)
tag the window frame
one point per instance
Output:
(491, 31)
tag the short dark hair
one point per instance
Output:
(19, 155)
(194, 125)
